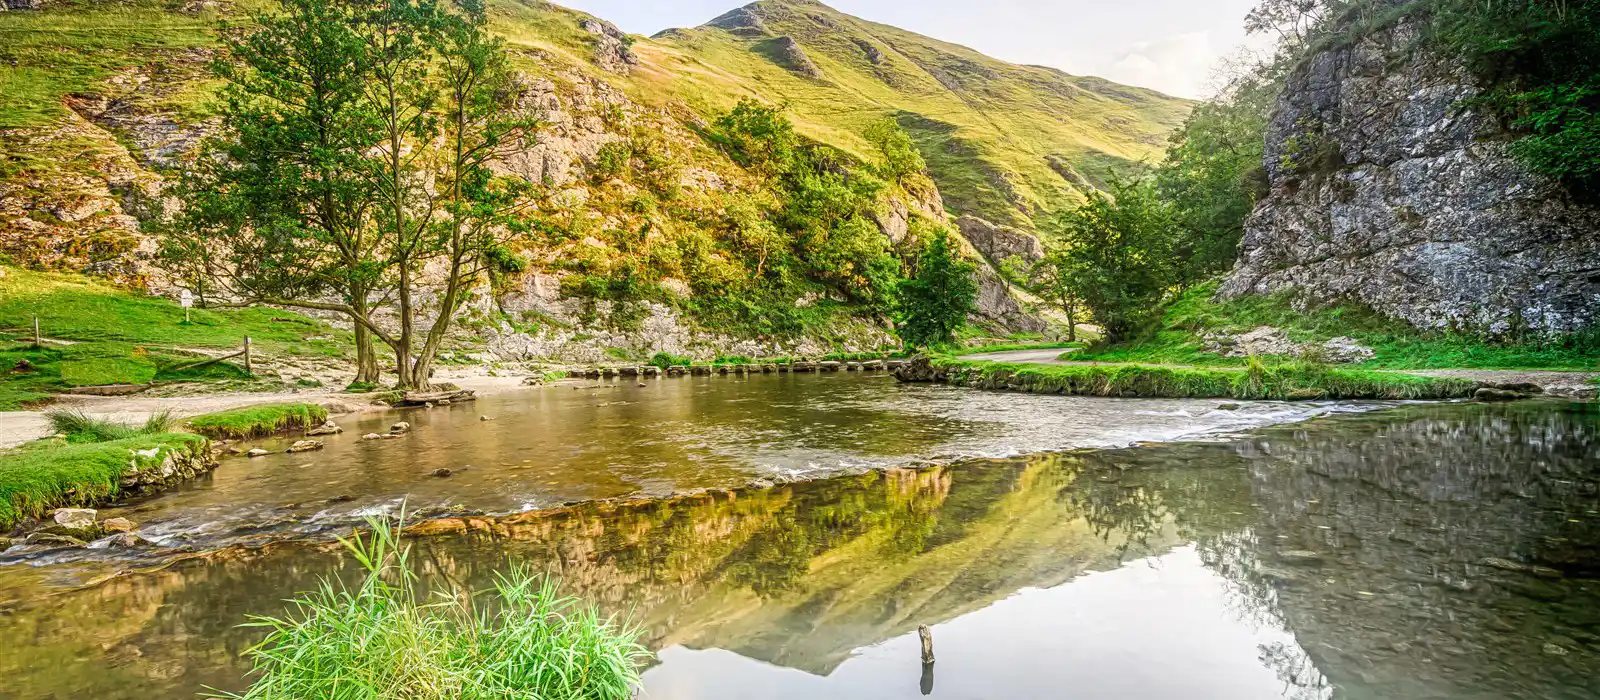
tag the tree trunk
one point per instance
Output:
(366, 358)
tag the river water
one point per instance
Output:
(1419, 551)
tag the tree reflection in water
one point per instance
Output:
(1366, 537)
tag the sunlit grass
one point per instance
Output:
(381, 639)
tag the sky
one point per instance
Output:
(1169, 45)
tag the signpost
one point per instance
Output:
(186, 300)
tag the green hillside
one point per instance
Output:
(1001, 140)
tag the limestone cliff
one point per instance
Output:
(1388, 189)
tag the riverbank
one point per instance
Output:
(1290, 381)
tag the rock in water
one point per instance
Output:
(118, 525)
(45, 539)
(305, 446)
(379, 436)
(400, 428)
(1489, 395)
(442, 472)
(328, 428)
(126, 540)
(257, 452)
(75, 518)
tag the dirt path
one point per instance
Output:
(1563, 383)
(18, 427)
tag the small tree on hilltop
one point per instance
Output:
(935, 300)
(1118, 246)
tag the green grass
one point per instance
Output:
(47, 475)
(73, 46)
(1288, 381)
(74, 307)
(259, 421)
(1189, 318)
(80, 427)
(121, 337)
(380, 640)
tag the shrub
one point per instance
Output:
(665, 360)
(378, 641)
(934, 303)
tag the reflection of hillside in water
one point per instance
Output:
(1399, 547)
(796, 575)
(1365, 536)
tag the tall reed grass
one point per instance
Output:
(381, 640)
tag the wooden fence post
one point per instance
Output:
(247, 368)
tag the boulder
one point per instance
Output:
(328, 428)
(46, 539)
(305, 446)
(75, 518)
(1491, 395)
(258, 452)
(126, 540)
(400, 428)
(118, 525)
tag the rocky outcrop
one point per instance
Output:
(1389, 190)
(999, 242)
(613, 48)
(160, 468)
(787, 52)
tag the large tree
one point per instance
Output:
(356, 152)
(1118, 246)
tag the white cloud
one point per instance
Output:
(1180, 65)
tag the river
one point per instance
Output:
(1056, 546)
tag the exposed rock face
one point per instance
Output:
(999, 242)
(613, 48)
(1267, 340)
(787, 52)
(1388, 191)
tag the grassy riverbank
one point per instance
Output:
(259, 421)
(1289, 381)
(1181, 335)
(97, 334)
(51, 474)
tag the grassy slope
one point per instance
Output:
(47, 55)
(987, 127)
(124, 337)
(1398, 346)
(47, 475)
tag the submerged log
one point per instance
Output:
(422, 398)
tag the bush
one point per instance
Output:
(665, 360)
(259, 421)
(377, 641)
(934, 303)
(1119, 244)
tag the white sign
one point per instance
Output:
(185, 299)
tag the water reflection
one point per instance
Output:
(1437, 551)
(562, 443)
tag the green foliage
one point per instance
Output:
(900, 155)
(44, 476)
(505, 261)
(933, 304)
(81, 427)
(1118, 248)
(1180, 335)
(379, 640)
(1541, 62)
(1288, 381)
(667, 359)
(612, 161)
(259, 421)
(1213, 173)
